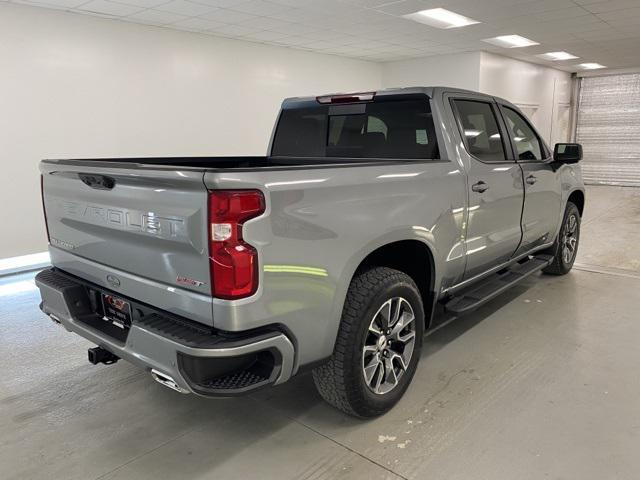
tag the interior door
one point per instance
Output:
(542, 198)
(494, 182)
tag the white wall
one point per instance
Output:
(78, 86)
(543, 93)
(460, 71)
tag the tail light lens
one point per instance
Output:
(233, 262)
(44, 209)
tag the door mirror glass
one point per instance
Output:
(567, 152)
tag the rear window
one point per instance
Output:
(389, 129)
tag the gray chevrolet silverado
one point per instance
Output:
(222, 275)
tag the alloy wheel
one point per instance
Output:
(570, 239)
(389, 345)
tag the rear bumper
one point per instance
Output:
(198, 359)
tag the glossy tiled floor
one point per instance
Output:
(540, 383)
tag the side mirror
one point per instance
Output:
(567, 153)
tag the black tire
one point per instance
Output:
(341, 381)
(560, 265)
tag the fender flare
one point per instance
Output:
(420, 234)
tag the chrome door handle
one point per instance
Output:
(531, 179)
(479, 187)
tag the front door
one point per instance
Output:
(542, 201)
(494, 182)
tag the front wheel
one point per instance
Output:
(565, 247)
(378, 344)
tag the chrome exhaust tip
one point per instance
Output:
(167, 381)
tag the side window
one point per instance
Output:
(480, 128)
(528, 145)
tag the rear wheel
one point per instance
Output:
(565, 248)
(378, 344)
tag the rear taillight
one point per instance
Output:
(233, 262)
(44, 209)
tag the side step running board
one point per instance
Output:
(492, 286)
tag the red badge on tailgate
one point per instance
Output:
(181, 280)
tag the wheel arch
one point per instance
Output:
(377, 252)
(413, 257)
(577, 198)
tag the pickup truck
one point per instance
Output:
(222, 275)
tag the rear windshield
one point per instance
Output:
(389, 129)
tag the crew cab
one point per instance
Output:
(221, 275)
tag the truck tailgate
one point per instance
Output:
(149, 221)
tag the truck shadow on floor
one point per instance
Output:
(298, 396)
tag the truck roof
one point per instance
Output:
(430, 92)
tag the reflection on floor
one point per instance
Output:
(538, 383)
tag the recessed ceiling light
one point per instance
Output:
(591, 66)
(555, 56)
(441, 18)
(510, 41)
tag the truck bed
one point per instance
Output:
(225, 163)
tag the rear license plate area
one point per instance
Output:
(116, 311)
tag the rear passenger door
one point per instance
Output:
(494, 182)
(542, 192)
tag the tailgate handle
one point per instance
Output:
(100, 182)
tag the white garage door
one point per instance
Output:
(609, 129)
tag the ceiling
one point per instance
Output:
(602, 31)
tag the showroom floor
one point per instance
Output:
(539, 383)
